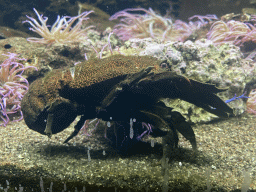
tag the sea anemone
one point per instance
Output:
(150, 24)
(250, 36)
(204, 19)
(235, 32)
(141, 26)
(12, 87)
(65, 29)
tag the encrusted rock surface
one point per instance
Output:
(221, 65)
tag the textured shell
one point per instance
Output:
(43, 92)
(98, 70)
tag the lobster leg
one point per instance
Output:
(48, 129)
(176, 122)
(120, 87)
(57, 115)
(78, 126)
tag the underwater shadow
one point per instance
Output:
(138, 150)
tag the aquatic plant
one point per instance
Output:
(235, 32)
(12, 86)
(65, 29)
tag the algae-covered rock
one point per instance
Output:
(222, 65)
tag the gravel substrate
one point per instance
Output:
(226, 149)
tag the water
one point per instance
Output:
(202, 42)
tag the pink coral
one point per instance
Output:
(12, 87)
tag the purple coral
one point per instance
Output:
(12, 86)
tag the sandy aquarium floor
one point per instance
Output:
(227, 149)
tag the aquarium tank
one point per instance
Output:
(128, 95)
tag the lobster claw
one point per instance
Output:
(170, 85)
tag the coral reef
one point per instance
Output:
(12, 87)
